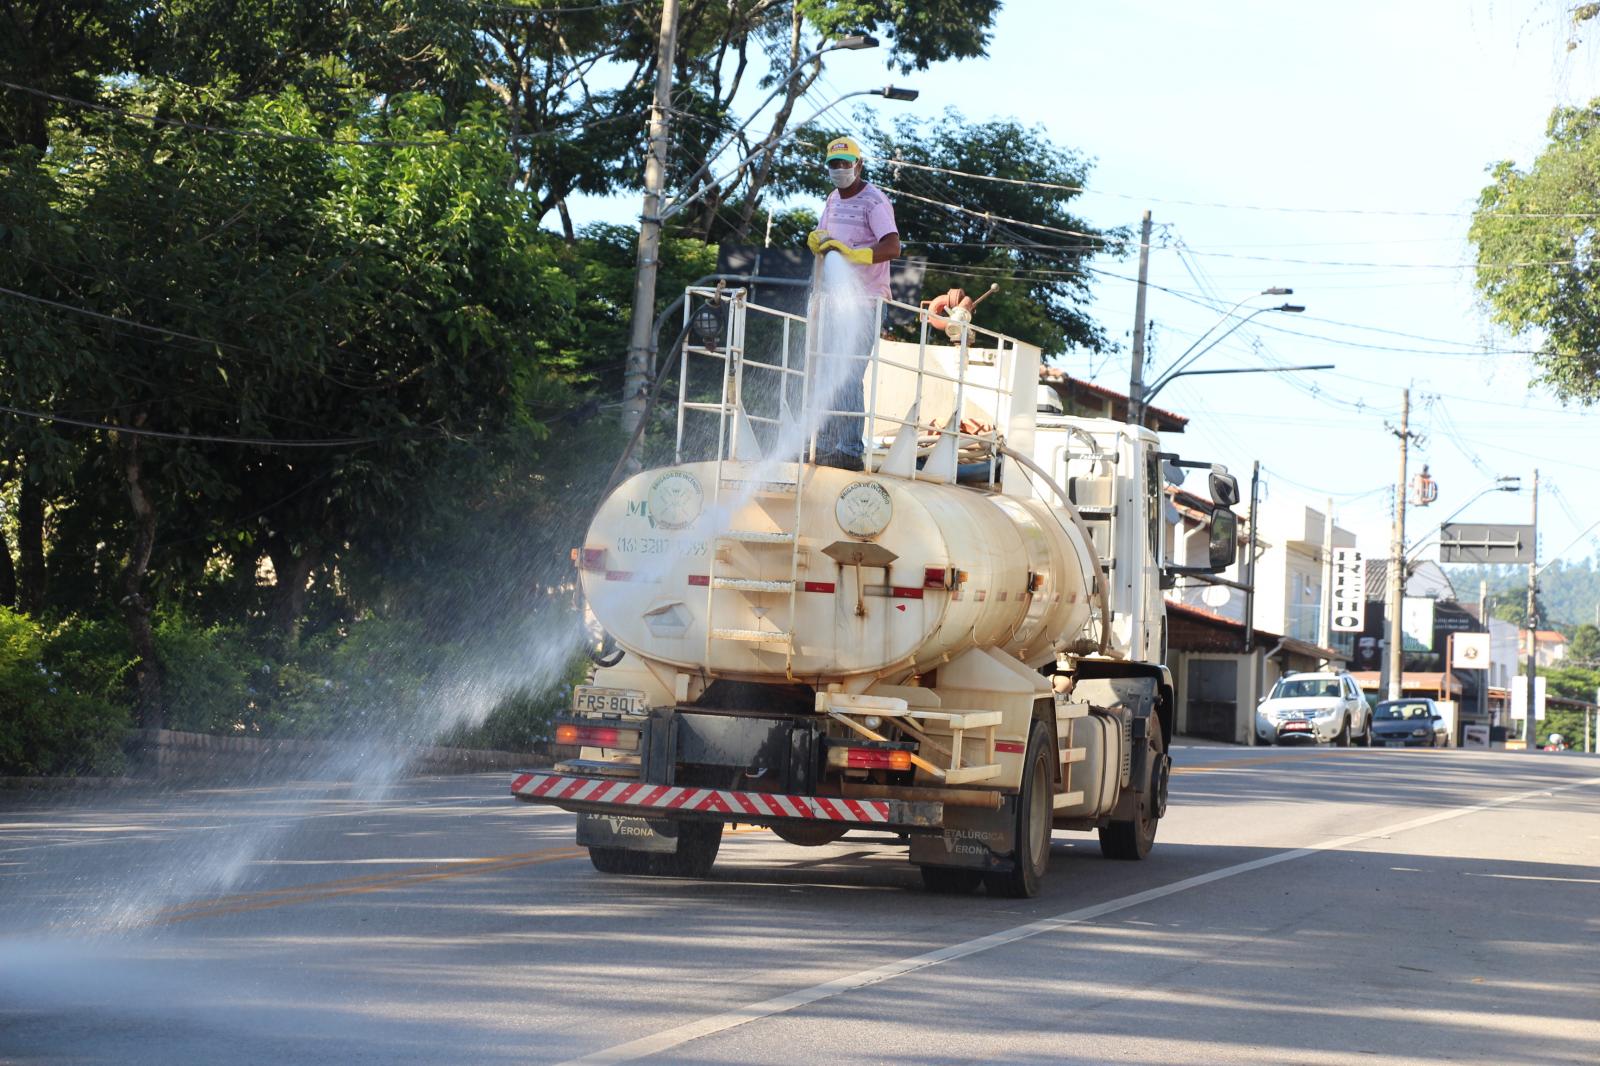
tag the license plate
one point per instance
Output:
(1297, 727)
(609, 700)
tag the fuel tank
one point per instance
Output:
(797, 571)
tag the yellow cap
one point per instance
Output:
(843, 148)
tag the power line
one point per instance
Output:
(990, 216)
(1238, 207)
(297, 138)
(125, 322)
(136, 431)
(543, 12)
(1394, 266)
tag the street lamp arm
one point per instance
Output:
(1181, 368)
(888, 92)
(1237, 370)
(1254, 370)
(1500, 486)
(853, 42)
(1554, 558)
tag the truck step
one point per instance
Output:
(753, 636)
(1066, 799)
(751, 584)
(756, 536)
(760, 488)
(966, 775)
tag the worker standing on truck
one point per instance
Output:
(858, 224)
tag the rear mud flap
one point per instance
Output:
(657, 836)
(972, 839)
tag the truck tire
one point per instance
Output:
(618, 860)
(698, 843)
(950, 880)
(1132, 840)
(811, 836)
(1031, 856)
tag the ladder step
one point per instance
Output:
(756, 536)
(750, 584)
(1066, 799)
(1072, 755)
(753, 636)
(689, 405)
(761, 488)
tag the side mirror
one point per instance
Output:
(1224, 488)
(1224, 546)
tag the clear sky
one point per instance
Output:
(1335, 148)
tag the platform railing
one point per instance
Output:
(784, 398)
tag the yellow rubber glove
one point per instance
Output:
(855, 255)
(816, 239)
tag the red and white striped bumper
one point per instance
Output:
(635, 797)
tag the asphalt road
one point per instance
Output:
(1301, 906)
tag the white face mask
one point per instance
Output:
(842, 177)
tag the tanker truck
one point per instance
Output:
(955, 649)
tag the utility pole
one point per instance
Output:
(1533, 625)
(1483, 620)
(635, 379)
(1259, 673)
(1136, 376)
(1325, 612)
(1397, 556)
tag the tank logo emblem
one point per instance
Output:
(864, 509)
(675, 500)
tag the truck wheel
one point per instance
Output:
(950, 880)
(1133, 839)
(1343, 739)
(811, 836)
(618, 860)
(1031, 856)
(697, 850)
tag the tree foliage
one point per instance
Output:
(956, 222)
(1537, 269)
(291, 367)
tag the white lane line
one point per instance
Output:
(717, 1023)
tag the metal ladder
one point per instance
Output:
(738, 485)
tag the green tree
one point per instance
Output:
(380, 295)
(1536, 274)
(1585, 646)
(953, 220)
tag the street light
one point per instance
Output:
(1180, 368)
(1509, 483)
(1395, 683)
(651, 218)
(851, 42)
(888, 92)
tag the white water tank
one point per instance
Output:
(890, 576)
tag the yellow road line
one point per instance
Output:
(359, 886)
(266, 899)
(1268, 760)
(363, 879)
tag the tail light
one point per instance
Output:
(594, 736)
(592, 559)
(853, 758)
